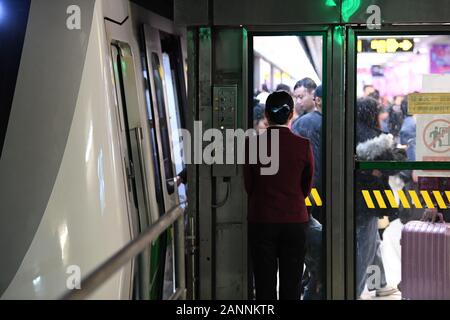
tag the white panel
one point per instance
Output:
(116, 10)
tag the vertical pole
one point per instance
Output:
(336, 169)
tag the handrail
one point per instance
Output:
(100, 275)
(177, 294)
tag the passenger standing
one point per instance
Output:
(304, 98)
(310, 126)
(372, 145)
(367, 90)
(259, 119)
(284, 87)
(408, 132)
(277, 214)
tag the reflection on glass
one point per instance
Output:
(152, 133)
(386, 201)
(175, 121)
(399, 73)
(163, 123)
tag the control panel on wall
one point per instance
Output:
(224, 115)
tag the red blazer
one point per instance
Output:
(280, 198)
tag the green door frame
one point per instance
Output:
(351, 164)
(333, 140)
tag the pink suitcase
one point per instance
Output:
(426, 261)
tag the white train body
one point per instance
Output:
(82, 214)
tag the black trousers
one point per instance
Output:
(273, 247)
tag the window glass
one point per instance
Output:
(163, 123)
(13, 24)
(386, 202)
(152, 133)
(175, 120)
(403, 89)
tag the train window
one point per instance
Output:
(151, 125)
(295, 64)
(402, 147)
(163, 123)
(388, 264)
(12, 34)
(403, 90)
(174, 119)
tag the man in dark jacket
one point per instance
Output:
(310, 126)
(277, 213)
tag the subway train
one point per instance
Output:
(94, 91)
(95, 96)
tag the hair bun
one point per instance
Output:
(280, 115)
(279, 106)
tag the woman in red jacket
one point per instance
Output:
(277, 215)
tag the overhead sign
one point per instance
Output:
(429, 103)
(386, 45)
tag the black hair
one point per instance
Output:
(258, 112)
(283, 87)
(279, 106)
(404, 106)
(307, 83)
(368, 86)
(368, 111)
(318, 92)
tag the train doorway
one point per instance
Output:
(295, 63)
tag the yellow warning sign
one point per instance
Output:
(429, 103)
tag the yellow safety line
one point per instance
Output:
(316, 196)
(427, 199)
(447, 193)
(391, 198)
(368, 199)
(379, 198)
(415, 199)
(439, 200)
(403, 199)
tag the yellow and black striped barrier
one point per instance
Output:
(414, 199)
(314, 196)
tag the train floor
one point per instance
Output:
(391, 254)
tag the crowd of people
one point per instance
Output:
(394, 119)
(385, 131)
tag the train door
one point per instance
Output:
(163, 101)
(222, 87)
(397, 85)
(131, 137)
(300, 63)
